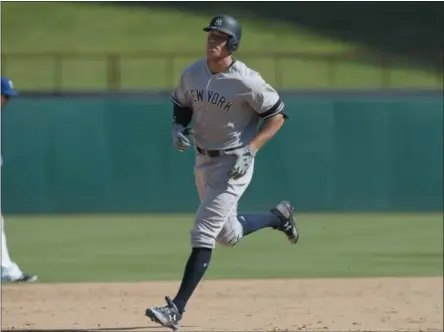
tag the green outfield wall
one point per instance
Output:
(114, 154)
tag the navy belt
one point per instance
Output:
(214, 153)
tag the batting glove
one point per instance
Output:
(180, 140)
(244, 159)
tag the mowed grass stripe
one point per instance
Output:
(146, 247)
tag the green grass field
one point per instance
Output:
(143, 247)
(59, 27)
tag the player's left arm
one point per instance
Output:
(268, 129)
(265, 100)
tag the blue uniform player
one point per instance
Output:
(10, 270)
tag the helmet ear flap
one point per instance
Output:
(232, 44)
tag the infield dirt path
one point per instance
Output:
(389, 304)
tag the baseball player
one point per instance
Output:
(226, 101)
(10, 270)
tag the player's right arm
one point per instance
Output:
(182, 111)
(182, 115)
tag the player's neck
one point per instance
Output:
(221, 65)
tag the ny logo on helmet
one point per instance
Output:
(218, 22)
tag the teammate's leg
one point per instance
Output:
(10, 270)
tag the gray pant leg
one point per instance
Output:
(231, 232)
(217, 213)
(200, 180)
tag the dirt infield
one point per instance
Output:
(389, 304)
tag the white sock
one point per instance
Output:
(10, 270)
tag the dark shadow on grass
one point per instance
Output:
(412, 32)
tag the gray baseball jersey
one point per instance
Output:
(227, 106)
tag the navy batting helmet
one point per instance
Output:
(228, 25)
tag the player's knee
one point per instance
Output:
(228, 241)
(230, 234)
(202, 239)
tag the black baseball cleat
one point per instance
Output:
(285, 211)
(167, 316)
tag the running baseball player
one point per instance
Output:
(10, 270)
(226, 101)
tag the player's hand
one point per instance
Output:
(244, 159)
(180, 140)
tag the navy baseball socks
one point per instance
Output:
(194, 271)
(254, 222)
(199, 259)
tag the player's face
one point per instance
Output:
(4, 100)
(216, 45)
